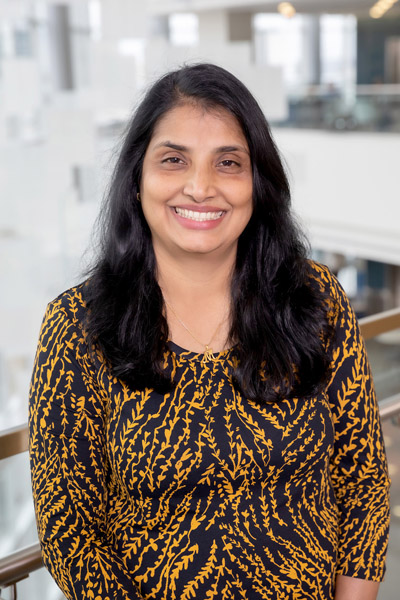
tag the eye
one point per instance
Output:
(172, 160)
(228, 162)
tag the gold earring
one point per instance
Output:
(138, 197)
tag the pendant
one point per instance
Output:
(208, 355)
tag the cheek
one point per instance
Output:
(246, 201)
(157, 189)
(248, 208)
(247, 216)
(155, 208)
(243, 214)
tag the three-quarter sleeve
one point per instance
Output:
(358, 464)
(69, 463)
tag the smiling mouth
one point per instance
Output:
(198, 216)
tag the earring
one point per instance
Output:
(138, 197)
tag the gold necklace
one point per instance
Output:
(208, 351)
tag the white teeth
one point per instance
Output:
(198, 216)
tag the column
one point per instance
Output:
(60, 46)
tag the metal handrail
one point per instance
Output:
(380, 323)
(389, 407)
(13, 441)
(20, 564)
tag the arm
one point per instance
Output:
(358, 464)
(352, 588)
(69, 464)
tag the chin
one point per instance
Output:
(198, 250)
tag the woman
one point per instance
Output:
(203, 420)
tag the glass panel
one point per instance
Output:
(367, 108)
(18, 527)
(384, 355)
(390, 587)
(38, 586)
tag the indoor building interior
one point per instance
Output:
(327, 76)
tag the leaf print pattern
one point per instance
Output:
(200, 493)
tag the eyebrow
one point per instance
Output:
(181, 148)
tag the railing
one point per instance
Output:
(380, 323)
(364, 108)
(370, 328)
(19, 564)
(13, 441)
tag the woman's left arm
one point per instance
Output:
(358, 464)
(353, 588)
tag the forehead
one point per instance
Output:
(185, 119)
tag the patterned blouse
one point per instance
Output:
(200, 493)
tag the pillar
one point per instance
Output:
(60, 46)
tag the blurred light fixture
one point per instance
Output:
(287, 9)
(380, 8)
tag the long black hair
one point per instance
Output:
(278, 318)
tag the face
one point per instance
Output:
(196, 187)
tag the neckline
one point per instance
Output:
(197, 356)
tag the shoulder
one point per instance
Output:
(65, 317)
(69, 305)
(321, 278)
(340, 312)
(338, 305)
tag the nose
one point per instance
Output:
(199, 183)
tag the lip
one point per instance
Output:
(196, 208)
(198, 225)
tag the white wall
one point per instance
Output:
(346, 189)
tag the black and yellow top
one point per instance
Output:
(201, 493)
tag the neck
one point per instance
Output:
(194, 275)
(197, 292)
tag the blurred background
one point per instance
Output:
(327, 75)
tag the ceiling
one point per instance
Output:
(357, 7)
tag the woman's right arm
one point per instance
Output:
(69, 463)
